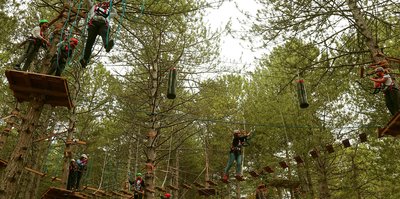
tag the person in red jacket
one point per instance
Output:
(64, 53)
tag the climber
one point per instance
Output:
(138, 186)
(82, 167)
(33, 44)
(384, 82)
(64, 52)
(235, 153)
(99, 22)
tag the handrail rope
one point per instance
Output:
(121, 18)
(62, 31)
(109, 20)
(70, 32)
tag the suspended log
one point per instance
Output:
(171, 93)
(302, 95)
(26, 86)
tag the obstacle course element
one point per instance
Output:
(59, 193)
(302, 95)
(392, 128)
(26, 86)
(171, 93)
(207, 192)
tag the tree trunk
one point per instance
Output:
(68, 153)
(176, 180)
(363, 29)
(6, 131)
(9, 184)
(323, 179)
(310, 187)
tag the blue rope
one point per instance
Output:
(109, 19)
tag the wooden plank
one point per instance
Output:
(298, 159)
(27, 85)
(283, 164)
(392, 127)
(59, 193)
(207, 192)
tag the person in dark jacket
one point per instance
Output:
(235, 154)
(64, 53)
(138, 186)
(73, 168)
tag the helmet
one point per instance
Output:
(167, 195)
(74, 40)
(42, 21)
(72, 160)
(84, 156)
(379, 69)
(138, 174)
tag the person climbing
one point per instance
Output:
(82, 166)
(138, 186)
(235, 154)
(32, 45)
(73, 167)
(384, 82)
(99, 16)
(64, 52)
(166, 196)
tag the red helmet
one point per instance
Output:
(167, 195)
(74, 41)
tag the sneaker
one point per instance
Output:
(110, 45)
(83, 63)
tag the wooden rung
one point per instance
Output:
(298, 159)
(161, 189)
(198, 185)
(172, 187)
(346, 143)
(212, 183)
(207, 192)
(186, 186)
(314, 153)
(283, 164)
(35, 172)
(150, 190)
(3, 163)
(329, 148)
(268, 169)
(363, 137)
(254, 174)
(75, 142)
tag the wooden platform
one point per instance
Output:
(392, 128)
(26, 85)
(207, 192)
(58, 193)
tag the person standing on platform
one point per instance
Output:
(73, 167)
(138, 186)
(82, 167)
(32, 45)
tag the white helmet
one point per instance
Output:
(72, 160)
(84, 156)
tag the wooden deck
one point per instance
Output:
(59, 193)
(27, 85)
(392, 128)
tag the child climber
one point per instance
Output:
(389, 88)
(235, 154)
(32, 45)
(99, 22)
(64, 53)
